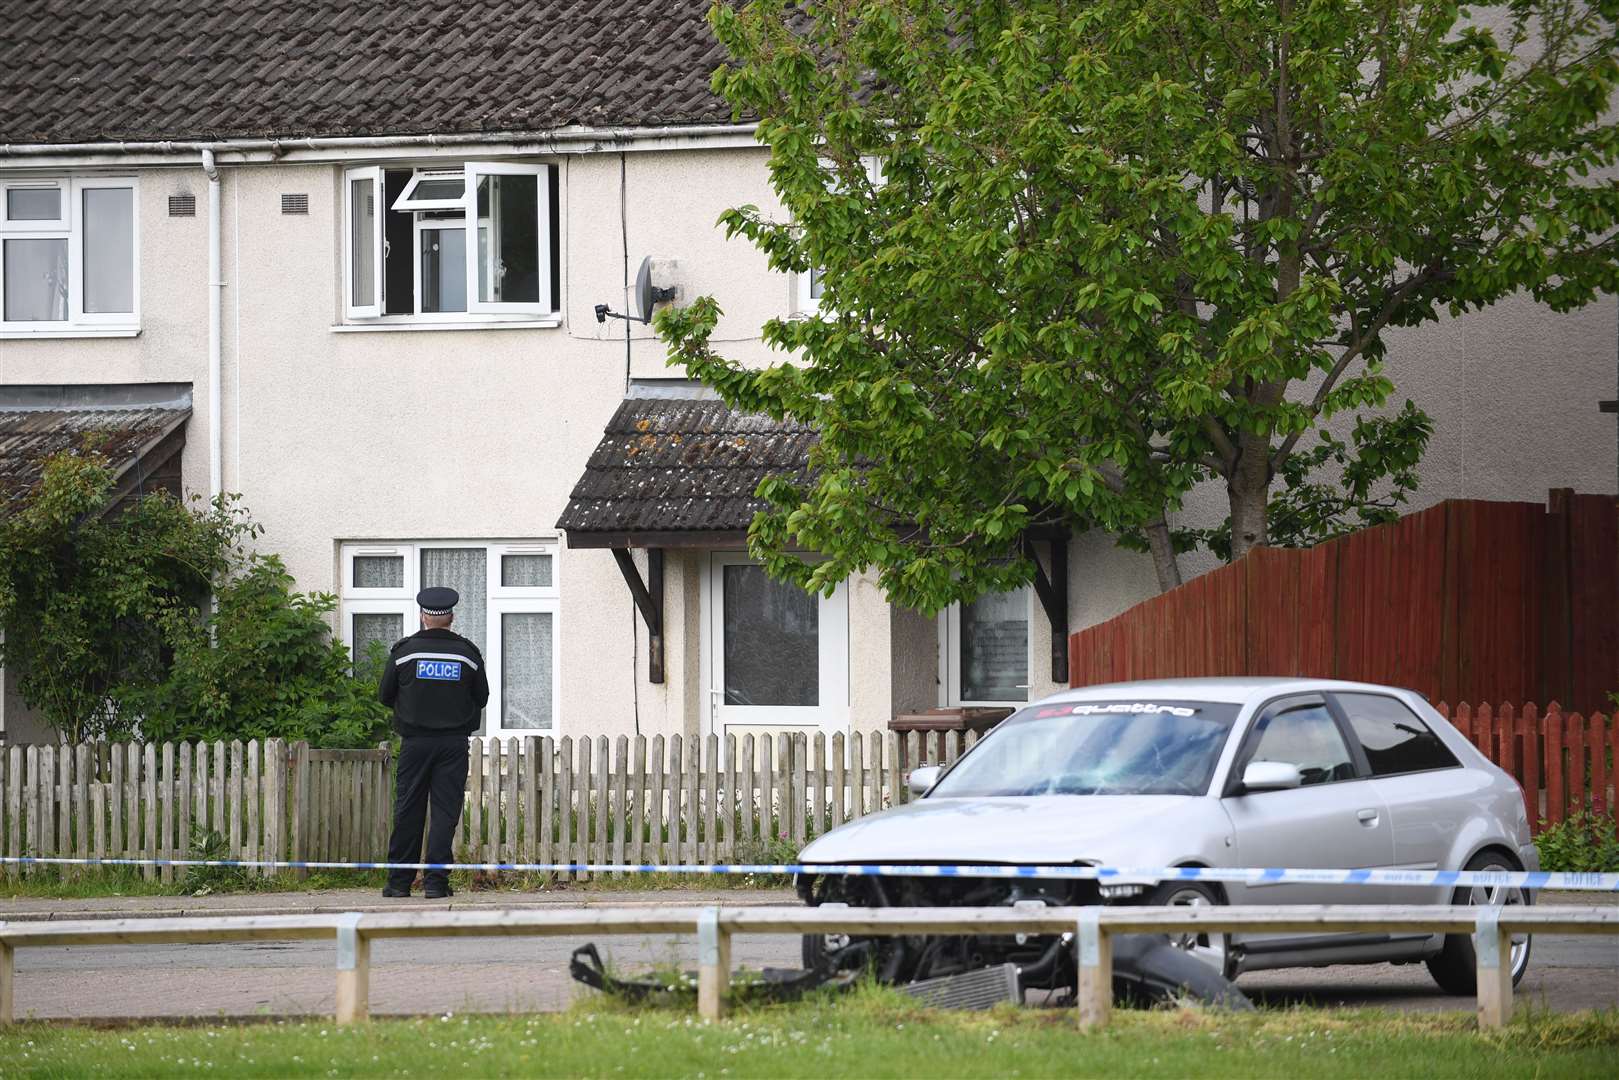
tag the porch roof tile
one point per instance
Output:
(680, 465)
(28, 436)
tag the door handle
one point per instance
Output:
(1367, 817)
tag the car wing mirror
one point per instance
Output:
(1270, 776)
(921, 780)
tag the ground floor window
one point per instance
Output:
(773, 653)
(510, 606)
(984, 650)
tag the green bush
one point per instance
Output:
(1583, 843)
(105, 618)
(264, 665)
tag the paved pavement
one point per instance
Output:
(495, 974)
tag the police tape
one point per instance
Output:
(1120, 875)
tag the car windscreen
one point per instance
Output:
(1097, 748)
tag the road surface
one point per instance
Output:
(434, 976)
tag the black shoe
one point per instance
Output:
(439, 892)
(394, 892)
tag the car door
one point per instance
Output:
(1335, 819)
(1424, 787)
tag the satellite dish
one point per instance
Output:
(648, 294)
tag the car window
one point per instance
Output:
(1306, 736)
(1096, 748)
(1395, 740)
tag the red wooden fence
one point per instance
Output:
(1564, 761)
(1469, 599)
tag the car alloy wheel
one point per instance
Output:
(1501, 896)
(1210, 948)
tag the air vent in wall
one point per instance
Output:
(295, 204)
(182, 206)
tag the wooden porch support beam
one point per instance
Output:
(1053, 594)
(648, 600)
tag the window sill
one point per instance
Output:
(545, 323)
(72, 332)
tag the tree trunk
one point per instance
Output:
(1163, 554)
(1248, 488)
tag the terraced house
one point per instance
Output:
(346, 259)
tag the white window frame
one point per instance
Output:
(477, 311)
(541, 173)
(61, 223)
(439, 224)
(70, 227)
(949, 622)
(371, 174)
(498, 600)
(831, 715)
(407, 200)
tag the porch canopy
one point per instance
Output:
(676, 468)
(139, 428)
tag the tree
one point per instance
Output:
(82, 590)
(1115, 249)
(109, 627)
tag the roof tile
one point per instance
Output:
(670, 465)
(103, 70)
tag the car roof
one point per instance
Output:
(1234, 689)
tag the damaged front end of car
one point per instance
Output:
(1147, 967)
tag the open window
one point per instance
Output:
(433, 189)
(475, 241)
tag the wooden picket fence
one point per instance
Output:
(531, 799)
(679, 801)
(134, 800)
(1563, 761)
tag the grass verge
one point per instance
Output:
(871, 1033)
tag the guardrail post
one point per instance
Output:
(1493, 948)
(1095, 969)
(713, 964)
(8, 982)
(353, 970)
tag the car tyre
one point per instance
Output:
(1213, 949)
(1455, 966)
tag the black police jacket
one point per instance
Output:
(436, 683)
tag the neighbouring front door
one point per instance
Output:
(776, 657)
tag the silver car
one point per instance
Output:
(1231, 772)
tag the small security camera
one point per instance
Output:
(601, 313)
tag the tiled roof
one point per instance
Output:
(682, 466)
(96, 70)
(29, 436)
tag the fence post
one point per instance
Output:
(713, 964)
(8, 983)
(1095, 970)
(353, 971)
(300, 806)
(149, 791)
(166, 800)
(274, 791)
(1493, 948)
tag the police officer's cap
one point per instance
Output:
(437, 600)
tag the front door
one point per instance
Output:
(777, 657)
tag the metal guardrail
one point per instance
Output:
(1491, 928)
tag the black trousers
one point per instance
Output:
(429, 768)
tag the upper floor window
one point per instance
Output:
(67, 253)
(473, 241)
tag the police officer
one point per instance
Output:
(436, 683)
